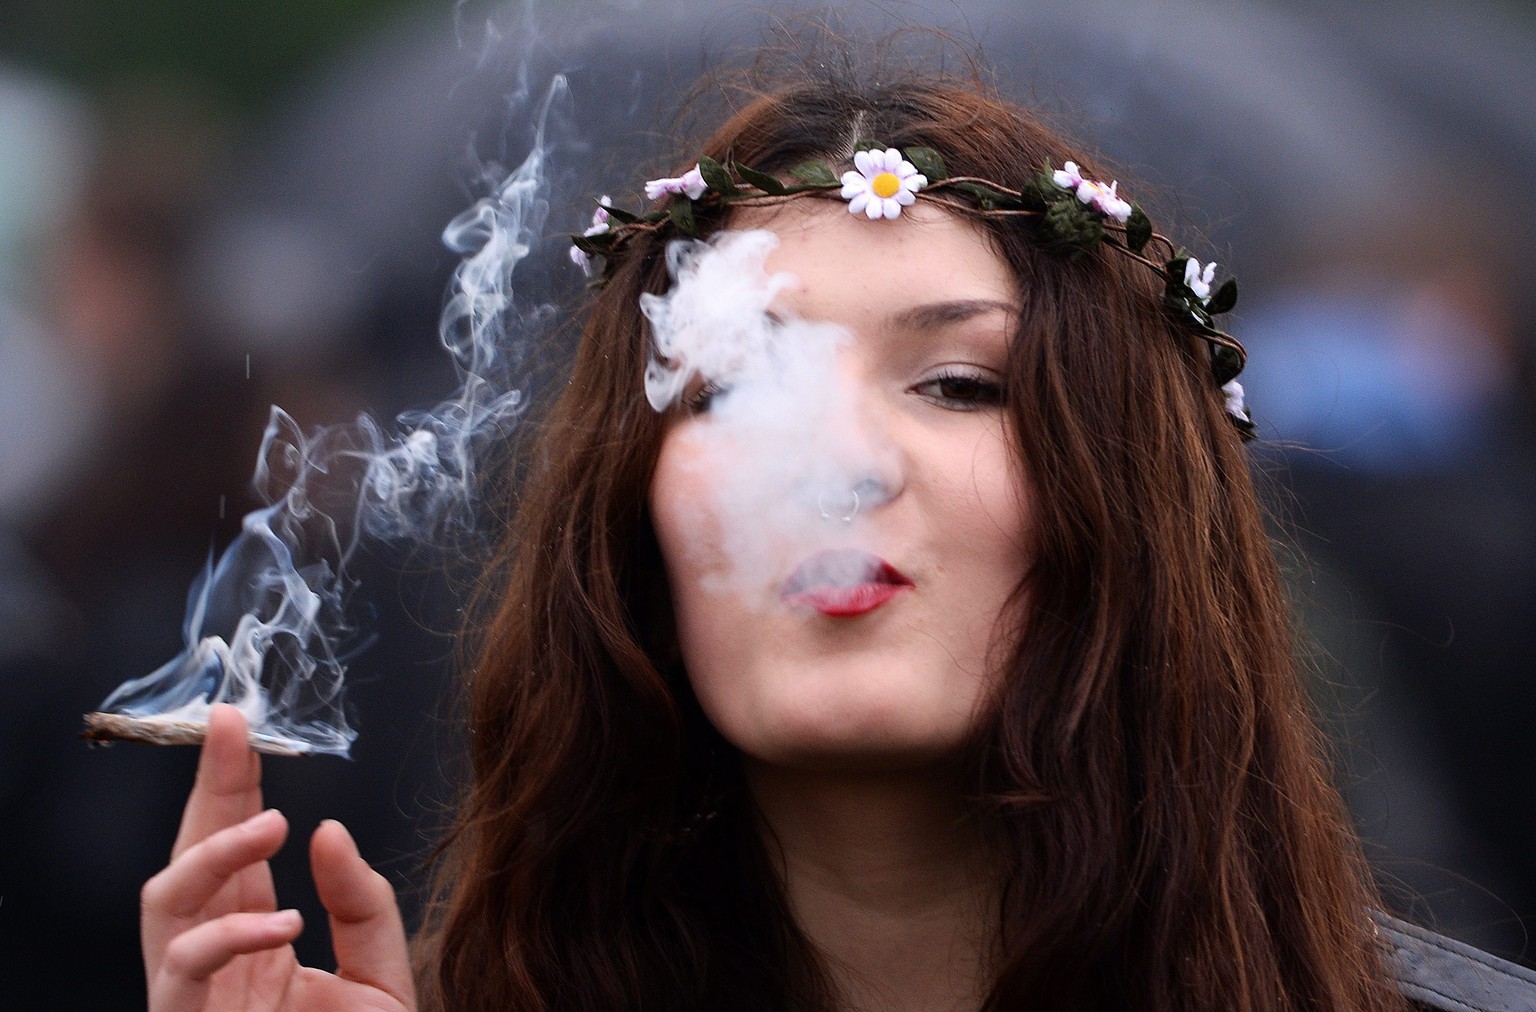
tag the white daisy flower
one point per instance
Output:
(690, 183)
(1199, 282)
(883, 184)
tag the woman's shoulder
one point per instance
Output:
(1441, 973)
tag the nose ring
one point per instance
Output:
(847, 518)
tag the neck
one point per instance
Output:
(889, 878)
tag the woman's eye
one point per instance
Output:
(699, 401)
(962, 391)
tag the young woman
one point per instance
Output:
(1009, 721)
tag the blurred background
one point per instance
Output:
(207, 208)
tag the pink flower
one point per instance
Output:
(1068, 177)
(600, 217)
(1095, 194)
(1103, 198)
(600, 224)
(690, 183)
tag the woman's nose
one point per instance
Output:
(844, 505)
(867, 469)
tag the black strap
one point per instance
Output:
(1443, 973)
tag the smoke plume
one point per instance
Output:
(265, 622)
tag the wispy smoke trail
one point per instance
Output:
(265, 621)
(783, 447)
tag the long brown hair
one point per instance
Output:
(1147, 766)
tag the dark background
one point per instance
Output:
(186, 188)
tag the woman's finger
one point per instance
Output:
(228, 786)
(366, 930)
(182, 888)
(181, 982)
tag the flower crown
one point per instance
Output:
(1070, 213)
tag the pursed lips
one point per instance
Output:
(845, 583)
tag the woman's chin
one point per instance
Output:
(869, 720)
(852, 746)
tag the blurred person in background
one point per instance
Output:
(49, 412)
(146, 442)
(1399, 378)
(102, 540)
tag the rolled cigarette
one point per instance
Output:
(108, 727)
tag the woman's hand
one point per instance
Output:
(213, 937)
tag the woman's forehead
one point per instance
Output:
(900, 272)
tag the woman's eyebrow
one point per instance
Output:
(939, 314)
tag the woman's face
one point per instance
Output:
(870, 647)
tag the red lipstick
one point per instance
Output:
(843, 584)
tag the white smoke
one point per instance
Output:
(783, 449)
(265, 621)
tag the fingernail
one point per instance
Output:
(287, 919)
(262, 819)
(344, 832)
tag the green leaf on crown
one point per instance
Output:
(1178, 297)
(987, 198)
(814, 173)
(1041, 191)
(1138, 229)
(1069, 224)
(681, 213)
(762, 180)
(595, 245)
(1224, 298)
(869, 145)
(928, 162)
(716, 175)
(1226, 363)
(1201, 323)
(1175, 292)
(622, 216)
(1244, 425)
